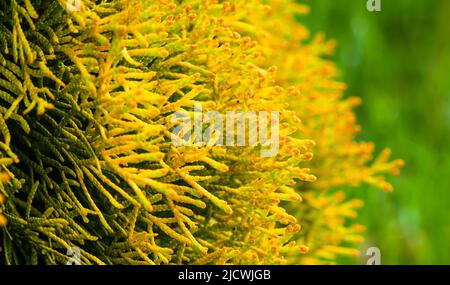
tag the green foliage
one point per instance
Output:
(397, 62)
(87, 101)
(86, 119)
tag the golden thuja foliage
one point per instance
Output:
(327, 118)
(87, 98)
(3, 220)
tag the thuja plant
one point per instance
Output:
(88, 90)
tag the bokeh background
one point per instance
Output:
(398, 62)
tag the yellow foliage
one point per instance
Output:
(94, 167)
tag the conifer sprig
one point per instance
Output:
(86, 101)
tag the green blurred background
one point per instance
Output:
(398, 62)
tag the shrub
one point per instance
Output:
(87, 98)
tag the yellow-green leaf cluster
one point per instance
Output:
(86, 101)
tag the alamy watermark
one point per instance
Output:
(233, 128)
(374, 254)
(373, 5)
(73, 5)
(74, 255)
